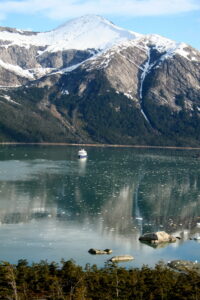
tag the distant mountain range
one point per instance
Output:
(89, 81)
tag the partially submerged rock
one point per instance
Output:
(157, 237)
(156, 245)
(97, 251)
(185, 266)
(121, 258)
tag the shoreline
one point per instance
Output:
(100, 145)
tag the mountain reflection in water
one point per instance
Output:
(53, 205)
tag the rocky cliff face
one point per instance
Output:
(104, 84)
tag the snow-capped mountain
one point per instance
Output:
(88, 32)
(149, 84)
(30, 55)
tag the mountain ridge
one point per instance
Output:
(75, 35)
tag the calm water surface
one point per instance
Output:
(54, 206)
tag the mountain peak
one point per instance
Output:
(89, 19)
(92, 31)
(86, 32)
(82, 33)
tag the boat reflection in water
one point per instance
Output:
(82, 163)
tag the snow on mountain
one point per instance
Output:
(88, 32)
(170, 47)
(17, 70)
(32, 55)
(166, 47)
(81, 33)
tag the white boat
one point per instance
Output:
(82, 153)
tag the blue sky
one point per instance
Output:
(175, 19)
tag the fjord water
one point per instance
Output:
(54, 206)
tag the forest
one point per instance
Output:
(67, 281)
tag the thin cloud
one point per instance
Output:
(64, 9)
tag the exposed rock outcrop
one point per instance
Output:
(157, 237)
(97, 251)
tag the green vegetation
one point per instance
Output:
(25, 122)
(179, 128)
(107, 117)
(82, 108)
(69, 281)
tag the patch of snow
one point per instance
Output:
(184, 51)
(17, 70)
(69, 69)
(99, 61)
(39, 52)
(145, 116)
(7, 87)
(128, 95)
(146, 69)
(117, 108)
(19, 30)
(168, 47)
(65, 92)
(181, 50)
(158, 66)
(39, 72)
(104, 64)
(10, 100)
(161, 44)
(92, 60)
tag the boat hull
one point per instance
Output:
(82, 153)
(82, 156)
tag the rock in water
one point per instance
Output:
(121, 258)
(157, 237)
(97, 251)
(185, 266)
